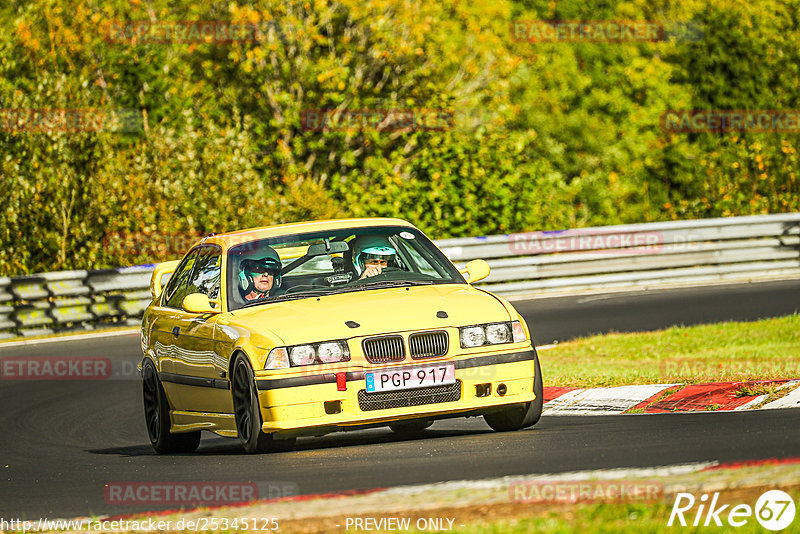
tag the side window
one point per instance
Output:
(176, 287)
(207, 272)
(420, 264)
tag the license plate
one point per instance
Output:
(411, 377)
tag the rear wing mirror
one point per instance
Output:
(317, 249)
(333, 247)
(161, 270)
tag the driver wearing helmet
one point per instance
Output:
(374, 254)
(260, 278)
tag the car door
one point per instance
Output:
(165, 322)
(199, 372)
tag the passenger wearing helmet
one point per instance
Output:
(260, 278)
(372, 255)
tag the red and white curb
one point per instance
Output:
(667, 398)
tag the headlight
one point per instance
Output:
(332, 352)
(498, 333)
(472, 336)
(309, 354)
(302, 355)
(278, 359)
(491, 334)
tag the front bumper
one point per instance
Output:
(312, 404)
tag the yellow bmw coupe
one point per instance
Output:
(304, 329)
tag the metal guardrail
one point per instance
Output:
(536, 263)
(73, 300)
(637, 255)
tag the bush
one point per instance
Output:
(538, 135)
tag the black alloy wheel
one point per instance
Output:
(156, 416)
(247, 412)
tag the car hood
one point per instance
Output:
(376, 311)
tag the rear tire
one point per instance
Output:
(519, 416)
(156, 416)
(247, 412)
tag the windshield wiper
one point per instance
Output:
(397, 283)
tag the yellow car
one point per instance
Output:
(304, 329)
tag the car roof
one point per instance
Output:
(230, 239)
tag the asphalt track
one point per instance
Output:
(63, 441)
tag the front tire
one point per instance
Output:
(156, 416)
(409, 427)
(247, 412)
(520, 416)
(535, 411)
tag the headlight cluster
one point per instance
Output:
(491, 334)
(314, 353)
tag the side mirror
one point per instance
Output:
(198, 303)
(162, 269)
(475, 271)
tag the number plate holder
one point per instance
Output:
(419, 376)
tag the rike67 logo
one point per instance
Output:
(774, 510)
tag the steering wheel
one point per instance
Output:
(387, 270)
(380, 275)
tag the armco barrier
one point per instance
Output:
(69, 300)
(697, 251)
(535, 263)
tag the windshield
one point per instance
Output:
(334, 261)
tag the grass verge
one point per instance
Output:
(721, 352)
(623, 517)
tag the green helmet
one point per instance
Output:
(368, 248)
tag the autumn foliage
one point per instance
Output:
(136, 121)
